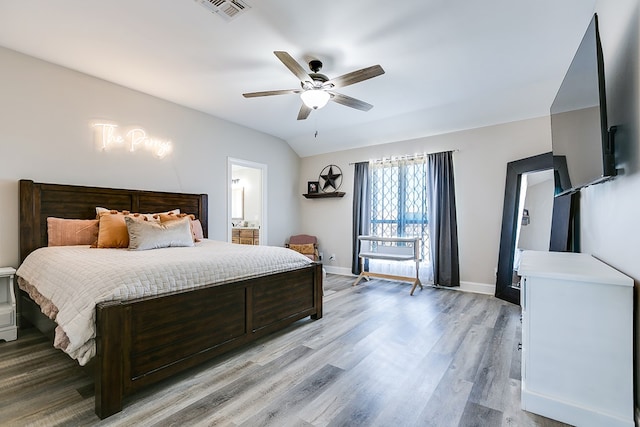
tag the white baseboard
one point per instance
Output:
(571, 413)
(343, 271)
(478, 288)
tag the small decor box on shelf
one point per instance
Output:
(312, 187)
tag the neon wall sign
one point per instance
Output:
(108, 136)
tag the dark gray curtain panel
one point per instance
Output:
(361, 207)
(443, 225)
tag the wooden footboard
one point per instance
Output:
(143, 341)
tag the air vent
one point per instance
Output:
(227, 9)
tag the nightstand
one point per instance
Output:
(8, 329)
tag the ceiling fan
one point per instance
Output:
(317, 89)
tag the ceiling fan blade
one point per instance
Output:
(350, 102)
(292, 65)
(270, 92)
(304, 112)
(356, 76)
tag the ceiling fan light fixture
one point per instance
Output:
(317, 89)
(315, 98)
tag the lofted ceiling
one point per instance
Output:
(449, 64)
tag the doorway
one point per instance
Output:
(247, 198)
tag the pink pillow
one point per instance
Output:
(196, 228)
(69, 232)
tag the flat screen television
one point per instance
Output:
(579, 118)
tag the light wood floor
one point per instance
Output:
(379, 357)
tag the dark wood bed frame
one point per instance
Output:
(143, 341)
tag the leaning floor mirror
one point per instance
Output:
(532, 218)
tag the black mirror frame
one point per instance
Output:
(560, 220)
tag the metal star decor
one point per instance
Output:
(332, 176)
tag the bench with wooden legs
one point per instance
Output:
(391, 249)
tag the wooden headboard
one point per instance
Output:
(39, 201)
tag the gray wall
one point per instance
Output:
(610, 211)
(480, 171)
(46, 135)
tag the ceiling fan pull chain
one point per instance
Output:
(315, 135)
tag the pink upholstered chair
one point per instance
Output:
(306, 245)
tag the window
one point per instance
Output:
(399, 202)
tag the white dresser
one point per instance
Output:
(577, 339)
(8, 328)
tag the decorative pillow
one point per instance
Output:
(149, 216)
(112, 229)
(306, 249)
(196, 225)
(145, 235)
(173, 215)
(68, 232)
(196, 228)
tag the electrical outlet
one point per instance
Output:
(332, 257)
(321, 255)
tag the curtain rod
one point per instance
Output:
(408, 157)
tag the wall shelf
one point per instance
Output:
(324, 195)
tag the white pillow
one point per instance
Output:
(145, 235)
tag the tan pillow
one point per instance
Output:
(196, 225)
(149, 216)
(145, 235)
(173, 215)
(68, 232)
(112, 229)
(306, 249)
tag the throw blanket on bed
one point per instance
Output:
(68, 281)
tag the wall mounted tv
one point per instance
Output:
(579, 118)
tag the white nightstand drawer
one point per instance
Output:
(6, 316)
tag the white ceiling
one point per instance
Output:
(450, 64)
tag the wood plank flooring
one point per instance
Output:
(379, 357)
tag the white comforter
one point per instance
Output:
(75, 278)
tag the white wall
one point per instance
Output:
(480, 172)
(250, 182)
(45, 135)
(610, 212)
(539, 202)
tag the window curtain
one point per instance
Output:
(443, 226)
(361, 211)
(399, 208)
